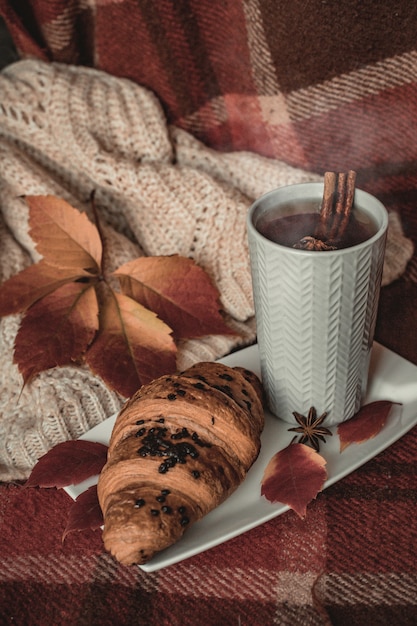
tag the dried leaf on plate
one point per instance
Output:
(294, 476)
(365, 424)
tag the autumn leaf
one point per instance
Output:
(61, 297)
(294, 476)
(178, 290)
(57, 330)
(133, 345)
(85, 513)
(68, 463)
(19, 292)
(64, 236)
(365, 424)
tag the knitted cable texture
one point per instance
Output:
(69, 130)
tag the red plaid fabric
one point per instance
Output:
(316, 85)
(350, 562)
(300, 82)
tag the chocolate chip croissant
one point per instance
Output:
(180, 446)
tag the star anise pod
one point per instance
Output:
(311, 428)
(311, 243)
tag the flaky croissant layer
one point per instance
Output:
(180, 446)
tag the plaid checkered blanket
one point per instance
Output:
(350, 562)
(320, 85)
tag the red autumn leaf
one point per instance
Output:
(68, 463)
(64, 236)
(294, 476)
(57, 330)
(19, 292)
(85, 513)
(61, 296)
(365, 424)
(133, 345)
(178, 290)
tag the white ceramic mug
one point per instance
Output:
(315, 311)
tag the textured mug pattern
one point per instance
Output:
(316, 314)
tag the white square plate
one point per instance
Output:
(390, 378)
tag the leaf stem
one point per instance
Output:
(100, 232)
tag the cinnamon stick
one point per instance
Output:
(335, 212)
(347, 207)
(326, 212)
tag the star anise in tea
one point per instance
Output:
(311, 429)
(311, 243)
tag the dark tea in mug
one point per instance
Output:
(288, 223)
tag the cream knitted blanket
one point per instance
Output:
(68, 130)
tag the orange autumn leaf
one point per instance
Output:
(294, 476)
(19, 292)
(133, 345)
(64, 236)
(128, 345)
(178, 290)
(365, 424)
(57, 330)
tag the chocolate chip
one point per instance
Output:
(224, 389)
(226, 377)
(182, 434)
(199, 441)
